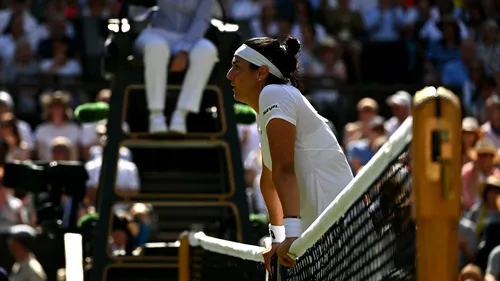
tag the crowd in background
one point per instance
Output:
(450, 42)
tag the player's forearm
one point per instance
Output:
(271, 199)
(287, 188)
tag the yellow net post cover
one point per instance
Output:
(436, 161)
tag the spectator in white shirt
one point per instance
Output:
(400, 104)
(61, 63)
(58, 116)
(127, 175)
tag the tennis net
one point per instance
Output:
(366, 233)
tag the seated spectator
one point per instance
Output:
(21, 244)
(491, 128)
(489, 238)
(488, 47)
(125, 230)
(177, 35)
(141, 214)
(18, 7)
(127, 176)
(361, 151)
(483, 165)
(471, 273)
(10, 209)
(456, 72)
(7, 106)
(446, 49)
(400, 104)
(467, 242)
(11, 35)
(367, 109)
(55, 23)
(346, 25)
(444, 12)
(265, 24)
(307, 59)
(488, 205)
(305, 17)
(382, 22)
(61, 63)
(24, 63)
(471, 133)
(18, 149)
(58, 116)
(493, 268)
(329, 63)
(96, 151)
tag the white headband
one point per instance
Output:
(258, 59)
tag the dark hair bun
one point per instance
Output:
(292, 46)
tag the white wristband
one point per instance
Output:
(293, 227)
(277, 233)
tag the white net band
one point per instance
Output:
(393, 147)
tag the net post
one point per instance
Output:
(184, 261)
(436, 182)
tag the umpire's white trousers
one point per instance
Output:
(157, 46)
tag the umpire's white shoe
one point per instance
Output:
(157, 124)
(178, 123)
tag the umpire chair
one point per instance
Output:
(118, 62)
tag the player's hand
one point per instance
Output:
(282, 252)
(179, 63)
(268, 254)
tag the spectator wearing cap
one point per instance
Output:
(361, 151)
(400, 104)
(471, 133)
(58, 116)
(127, 177)
(367, 109)
(484, 157)
(491, 128)
(7, 105)
(26, 266)
(488, 205)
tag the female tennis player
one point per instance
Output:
(304, 168)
